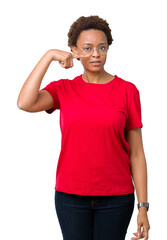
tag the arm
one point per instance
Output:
(30, 90)
(30, 98)
(139, 175)
(138, 165)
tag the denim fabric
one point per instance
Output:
(94, 217)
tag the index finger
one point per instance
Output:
(74, 55)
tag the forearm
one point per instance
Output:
(30, 90)
(139, 175)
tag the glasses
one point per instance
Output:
(89, 50)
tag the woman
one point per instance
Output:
(101, 147)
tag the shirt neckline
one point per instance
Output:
(95, 84)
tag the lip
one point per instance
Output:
(95, 63)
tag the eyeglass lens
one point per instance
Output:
(89, 50)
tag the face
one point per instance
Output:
(87, 40)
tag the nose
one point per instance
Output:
(95, 53)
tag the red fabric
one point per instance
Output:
(94, 118)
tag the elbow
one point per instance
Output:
(19, 102)
(21, 106)
(26, 107)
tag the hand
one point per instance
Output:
(65, 58)
(142, 221)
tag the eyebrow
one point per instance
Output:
(92, 44)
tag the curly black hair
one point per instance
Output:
(85, 23)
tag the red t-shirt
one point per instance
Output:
(94, 118)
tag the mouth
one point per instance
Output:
(95, 63)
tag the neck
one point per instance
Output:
(94, 77)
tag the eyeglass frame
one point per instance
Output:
(96, 49)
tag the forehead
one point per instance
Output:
(92, 36)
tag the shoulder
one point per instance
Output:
(58, 86)
(59, 83)
(67, 82)
(129, 87)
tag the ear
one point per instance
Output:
(74, 49)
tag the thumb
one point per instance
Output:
(139, 231)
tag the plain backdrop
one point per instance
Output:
(30, 142)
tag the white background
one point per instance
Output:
(30, 142)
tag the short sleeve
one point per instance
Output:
(52, 88)
(134, 118)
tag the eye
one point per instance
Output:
(102, 48)
(87, 49)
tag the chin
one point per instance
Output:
(95, 69)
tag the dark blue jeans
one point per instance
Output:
(94, 217)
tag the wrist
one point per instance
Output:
(49, 54)
(143, 209)
(143, 206)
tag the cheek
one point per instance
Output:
(104, 58)
(85, 61)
